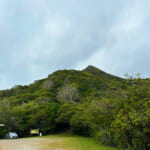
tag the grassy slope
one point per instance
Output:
(72, 142)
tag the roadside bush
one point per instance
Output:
(3, 132)
(105, 136)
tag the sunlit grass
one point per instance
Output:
(70, 142)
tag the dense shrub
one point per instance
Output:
(105, 136)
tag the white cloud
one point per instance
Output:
(4, 82)
(57, 26)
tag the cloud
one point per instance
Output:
(126, 46)
(41, 36)
(57, 26)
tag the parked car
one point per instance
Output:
(11, 135)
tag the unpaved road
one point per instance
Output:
(33, 144)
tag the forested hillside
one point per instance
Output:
(113, 110)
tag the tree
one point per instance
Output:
(68, 93)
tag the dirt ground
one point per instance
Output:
(32, 144)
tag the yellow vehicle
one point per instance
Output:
(34, 132)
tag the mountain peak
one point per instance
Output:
(98, 72)
(91, 68)
(94, 70)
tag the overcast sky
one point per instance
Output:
(38, 37)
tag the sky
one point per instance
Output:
(38, 37)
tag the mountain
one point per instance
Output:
(91, 77)
(90, 102)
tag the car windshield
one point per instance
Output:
(12, 134)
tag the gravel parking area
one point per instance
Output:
(31, 144)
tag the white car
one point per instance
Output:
(11, 135)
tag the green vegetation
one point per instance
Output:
(69, 141)
(112, 110)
